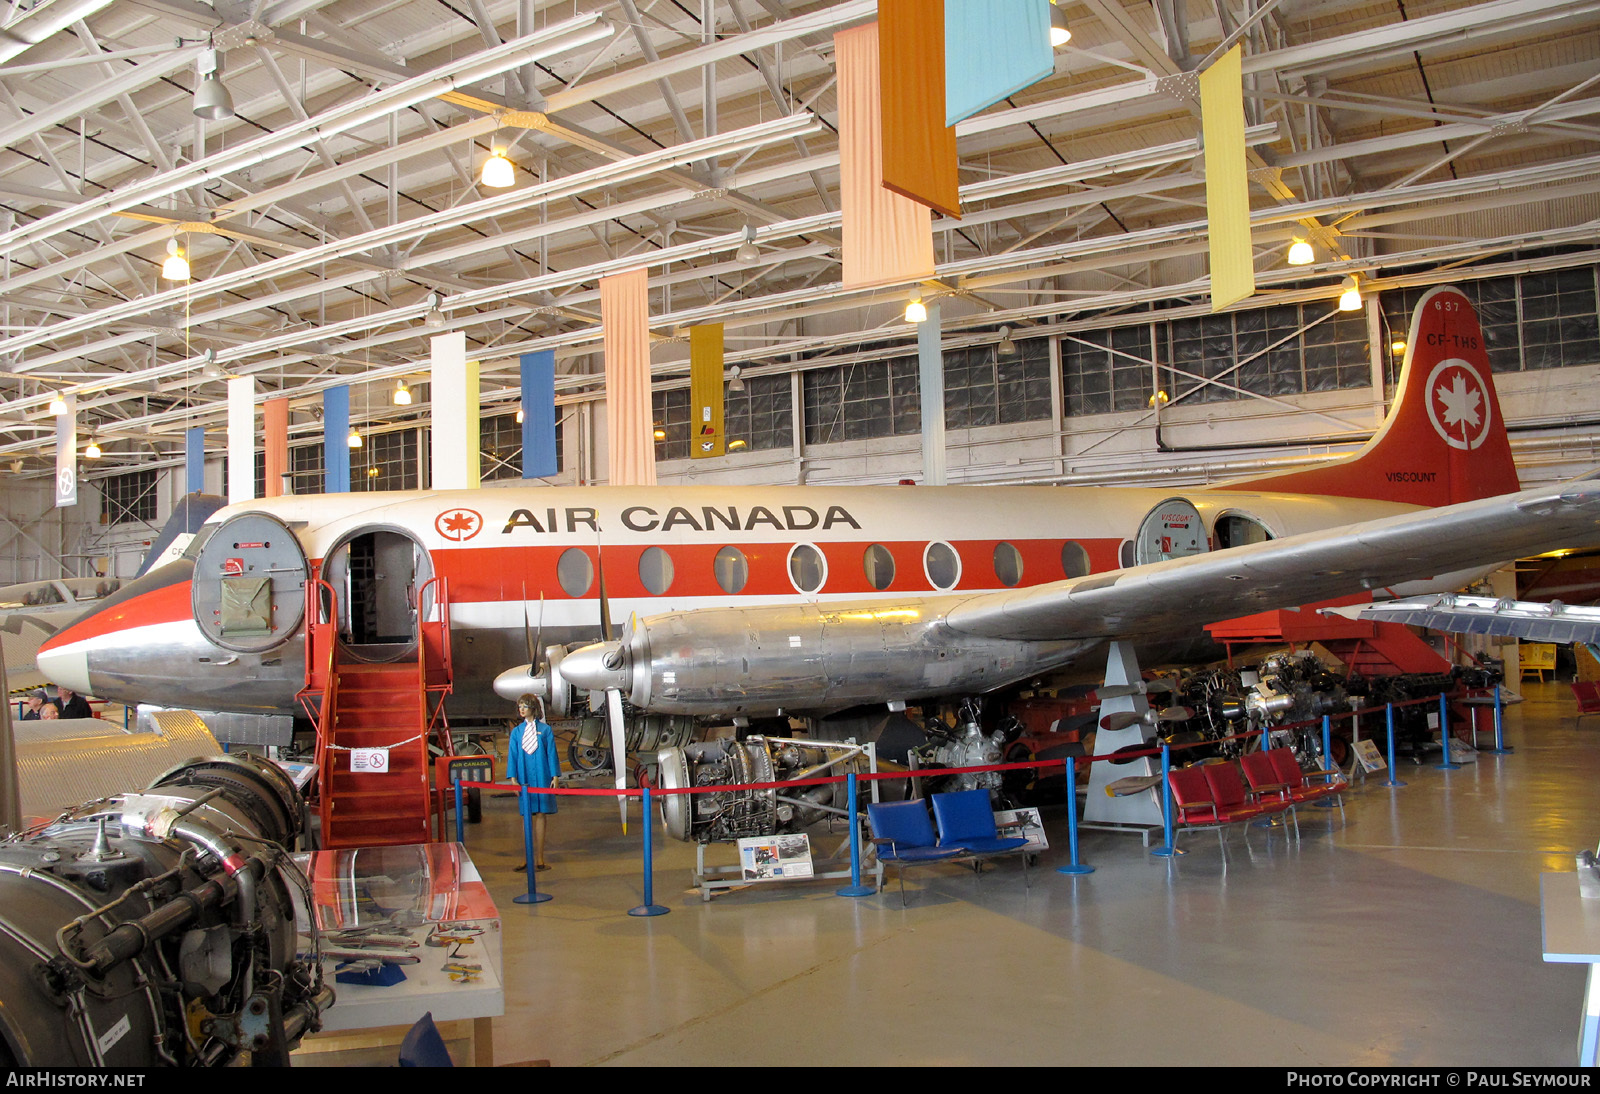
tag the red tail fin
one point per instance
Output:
(1444, 440)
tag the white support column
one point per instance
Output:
(241, 439)
(930, 373)
(455, 414)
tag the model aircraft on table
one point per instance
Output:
(750, 601)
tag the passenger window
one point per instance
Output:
(1007, 565)
(655, 570)
(575, 572)
(807, 568)
(1074, 559)
(879, 566)
(942, 565)
(731, 569)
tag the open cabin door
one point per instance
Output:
(249, 588)
(376, 573)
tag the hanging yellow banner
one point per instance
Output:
(705, 392)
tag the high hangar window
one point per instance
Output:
(386, 461)
(1283, 350)
(500, 447)
(671, 411)
(982, 387)
(1531, 321)
(762, 415)
(129, 497)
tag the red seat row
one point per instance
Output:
(1213, 795)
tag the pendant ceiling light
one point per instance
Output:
(211, 99)
(498, 172)
(1060, 33)
(1350, 298)
(176, 267)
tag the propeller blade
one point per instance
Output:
(538, 638)
(1176, 714)
(527, 630)
(1141, 687)
(1122, 719)
(619, 753)
(605, 602)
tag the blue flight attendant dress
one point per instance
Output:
(531, 760)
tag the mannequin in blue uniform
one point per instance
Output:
(532, 761)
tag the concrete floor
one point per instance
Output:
(1409, 936)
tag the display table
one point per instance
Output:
(1572, 935)
(373, 901)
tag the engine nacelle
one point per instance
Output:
(761, 661)
(156, 928)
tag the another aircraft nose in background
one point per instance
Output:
(66, 664)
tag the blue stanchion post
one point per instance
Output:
(1168, 849)
(1500, 746)
(1445, 763)
(855, 888)
(461, 833)
(1394, 779)
(1327, 759)
(533, 895)
(649, 907)
(1074, 866)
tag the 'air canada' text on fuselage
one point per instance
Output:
(709, 518)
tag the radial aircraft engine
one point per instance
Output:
(737, 814)
(155, 928)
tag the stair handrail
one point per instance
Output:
(441, 604)
(323, 713)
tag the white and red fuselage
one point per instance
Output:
(523, 560)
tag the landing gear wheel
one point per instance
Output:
(588, 757)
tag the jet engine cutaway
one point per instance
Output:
(156, 928)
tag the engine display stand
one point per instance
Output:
(720, 878)
(711, 880)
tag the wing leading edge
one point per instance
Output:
(1171, 597)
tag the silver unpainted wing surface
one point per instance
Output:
(1170, 597)
(1527, 620)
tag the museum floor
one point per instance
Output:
(1409, 936)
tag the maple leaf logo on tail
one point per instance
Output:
(1457, 406)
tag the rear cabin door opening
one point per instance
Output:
(377, 574)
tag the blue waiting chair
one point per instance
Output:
(966, 825)
(903, 835)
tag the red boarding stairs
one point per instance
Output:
(1368, 649)
(395, 705)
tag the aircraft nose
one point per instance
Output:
(597, 667)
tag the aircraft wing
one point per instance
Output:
(1169, 597)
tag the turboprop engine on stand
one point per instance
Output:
(156, 928)
(737, 814)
